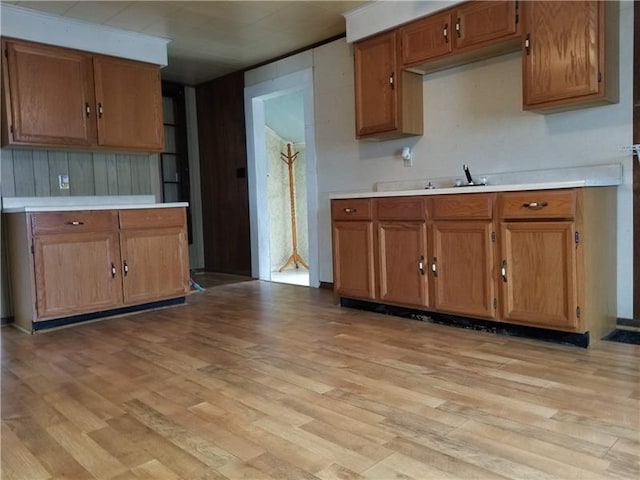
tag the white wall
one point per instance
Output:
(472, 114)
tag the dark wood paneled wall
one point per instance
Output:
(223, 175)
(636, 162)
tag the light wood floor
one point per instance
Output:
(258, 380)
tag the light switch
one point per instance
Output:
(63, 181)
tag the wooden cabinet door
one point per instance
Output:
(155, 264)
(562, 60)
(426, 39)
(462, 266)
(51, 95)
(376, 85)
(482, 22)
(538, 268)
(353, 264)
(129, 102)
(402, 253)
(76, 273)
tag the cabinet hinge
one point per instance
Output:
(493, 237)
(599, 77)
(577, 312)
(495, 303)
(517, 12)
(577, 237)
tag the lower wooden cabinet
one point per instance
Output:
(402, 256)
(534, 258)
(538, 273)
(64, 264)
(76, 273)
(462, 267)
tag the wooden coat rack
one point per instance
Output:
(289, 158)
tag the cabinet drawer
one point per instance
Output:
(352, 209)
(84, 221)
(538, 204)
(401, 208)
(463, 206)
(152, 217)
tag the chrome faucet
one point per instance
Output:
(468, 174)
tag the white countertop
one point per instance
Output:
(76, 204)
(572, 177)
(470, 189)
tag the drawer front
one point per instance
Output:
(152, 217)
(401, 208)
(463, 206)
(538, 204)
(84, 221)
(351, 209)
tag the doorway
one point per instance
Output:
(273, 228)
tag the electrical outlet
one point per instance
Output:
(63, 181)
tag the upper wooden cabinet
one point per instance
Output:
(465, 33)
(581, 73)
(129, 103)
(60, 97)
(50, 96)
(388, 100)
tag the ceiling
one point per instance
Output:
(211, 39)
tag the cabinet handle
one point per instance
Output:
(458, 28)
(75, 222)
(87, 109)
(527, 43)
(535, 205)
(391, 80)
(125, 268)
(99, 110)
(445, 33)
(113, 270)
(434, 267)
(421, 265)
(503, 271)
(350, 210)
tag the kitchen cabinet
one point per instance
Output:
(581, 73)
(154, 254)
(539, 258)
(388, 100)
(353, 254)
(468, 32)
(75, 258)
(65, 264)
(129, 103)
(402, 250)
(49, 96)
(60, 97)
(462, 262)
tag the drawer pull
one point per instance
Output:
(535, 205)
(113, 271)
(350, 210)
(503, 271)
(421, 265)
(125, 267)
(75, 222)
(434, 267)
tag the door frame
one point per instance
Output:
(636, 162)
(257, 169)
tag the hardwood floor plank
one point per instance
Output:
(258, 380)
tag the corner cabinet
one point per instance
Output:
(58, 97)
(90, 263)
(388, 100)
(584, 72)
(544, 259)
